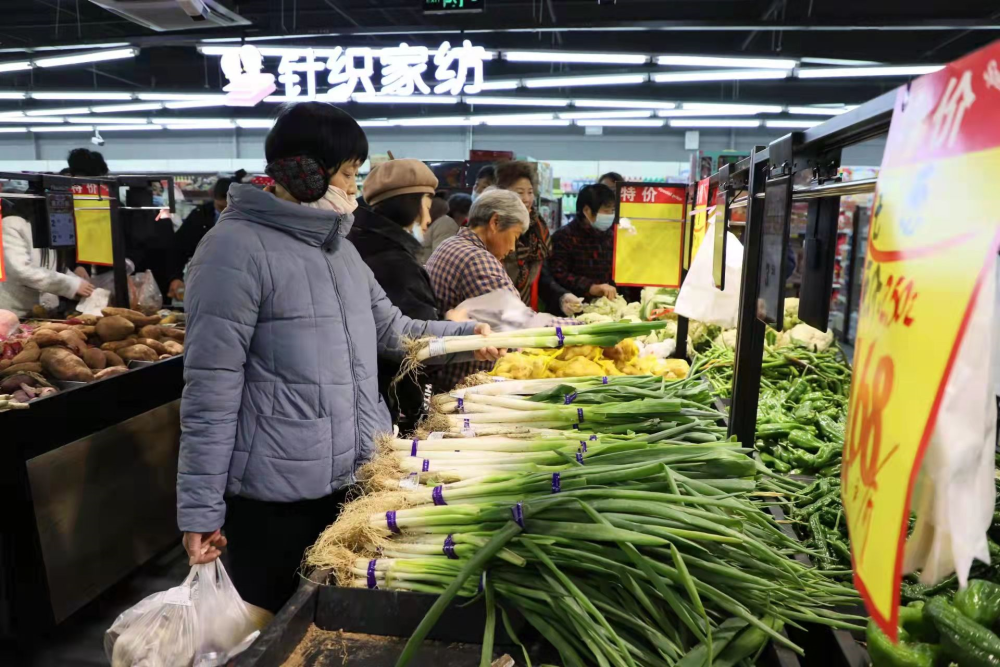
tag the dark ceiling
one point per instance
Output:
(890, 32)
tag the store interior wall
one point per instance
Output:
(226, 151)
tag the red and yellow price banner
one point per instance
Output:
(931, 242)
(700, 214)
(649, 249)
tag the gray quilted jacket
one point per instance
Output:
(285, 322)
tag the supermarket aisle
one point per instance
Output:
(79, 641)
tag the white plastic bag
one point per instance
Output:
(698, 298)
(955, 492)
(148, 298)
(224, 620)
(503, 311)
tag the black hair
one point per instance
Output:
(488, 171)
(221, 188)
(439, 207)
(404, 210)
(509, 173)
(613, 175)
(459, 204)
(319, 130)
(595, 197)
(85, 162)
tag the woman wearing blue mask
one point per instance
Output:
(583, 250)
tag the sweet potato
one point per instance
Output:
(54, 326)
(151, 331)
(137, 353)
(5, 364)
(116, 345)
(114, 328)
(133, 316)
(73, 340)
(87, 320)
(173, 347)
(87, 330)
(32, 367)
(171, 332)
(30, 352)
(46, 338)
(109, 372)
(112, 359)
(63, 365)
(156, 345)
(94, 358)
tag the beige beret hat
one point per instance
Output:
(398, 177)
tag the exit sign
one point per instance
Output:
(451, 6)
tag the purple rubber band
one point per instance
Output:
(559, 335)
(576, 426)
(569, 398)
(371, 574)
(593, 437)
(461, 405)
(583, 445)
(426, 466)
(579, 414)
(579, 458)
(518, 512)
(604, 380)
(466, 423)
(413, 448)
(449, 548)
(390, 520)
(556, 486)
(438, 495)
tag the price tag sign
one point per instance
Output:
(649, 235)
(93, 224)
(932, 240)
(700, 214)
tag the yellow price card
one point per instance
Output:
(931, 242)
(93, 230)
(649, 250)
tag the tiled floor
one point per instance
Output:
(78, 642)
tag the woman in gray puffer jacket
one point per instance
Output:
(285, 321)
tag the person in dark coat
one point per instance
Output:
(400, 193)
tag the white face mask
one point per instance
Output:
(603, 221)
(335, 199)
(417, 232)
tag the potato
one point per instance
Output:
(112, 359)
(116, 345)
(114, 328)
(94, 358)
(86, 330)
(33, 367)
(73, 341)
(46, 338)
(173, 347)
(64, 365)
(54, 326)
(87, 320)
(133, 316)
(151, 331)
(155, 345)
(30, 352)
(109, 372)
(137, 353)
(5, 364)
(170, 332)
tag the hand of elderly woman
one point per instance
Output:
(489, 353)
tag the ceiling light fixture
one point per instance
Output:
(698, 113)
(62, 128)
(227, 125)
(501, 84)
(818, 111)
(843, 62)
(623, 104)
(81, 58)
(196, 104)
(93, 95)
(368, 98)
(170, 97)
(529, 123)
(572, 57)
(733, 108)
(190, 121)
(792, 124)
(719, 75)
(11, 130)
(714, 61)
(12, 96)
(516, 101)
(375, 123)
(22, 119)
(434, 122)
(709, 122)
(129, 128)
(851, 72)
(611, 122)
(582, 115)
(255, 123)
(512, 117)
(109, 120)
(138, 106)
(599, 80)
(15, 66)
(69, 111)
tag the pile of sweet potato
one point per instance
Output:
(95, 347)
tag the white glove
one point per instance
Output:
(570, 304)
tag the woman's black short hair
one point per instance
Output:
(612, 176)
(459, 205)
(595, 196)
(319, 130)
(487, 171)
(85, 162)
(404, 210)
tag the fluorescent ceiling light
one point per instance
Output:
(600, 80)
(572, 57)
(196, 104)
(513, 118)
(62, 128)
(22, 119)
(374, 123)
(12, 114)
(719, 75)
(11, 96)
(72, 47)
(169, 97)
(434, 122)
(200, 126)
(95, 95)
(508, 84)
(110, 120)
(129, 128)
(15, 66)
(739, 108)
(698, 113)
(137, 106)
(838, 61)
(368, 98)
(530, 123)
(81, 58)
(255, 123)
(516, 101)
(712, 61)
(709, 122)
(69, 111)
(620, 123)
(818, 111)
(11, 130)
(579, 115)
(851, 72)
(792, 124)
(191, 121)
(623, 104)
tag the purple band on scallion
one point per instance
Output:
(438, 495)
(371, 574)
(449, 548)
(413, 447)
(556, 486)
(461, 405)
(518, 512)
(569, 398)
(583, 445)
(604, 380)
(559, 335)
(466, 423)
(579, 414)
(579, 458)
(426, 466)
(593, 437)
(576, 426)
(390, 520)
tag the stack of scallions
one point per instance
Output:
(610, 513)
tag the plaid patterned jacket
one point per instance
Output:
(581, 257)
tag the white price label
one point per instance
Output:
(435, 347)
(436, 435)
